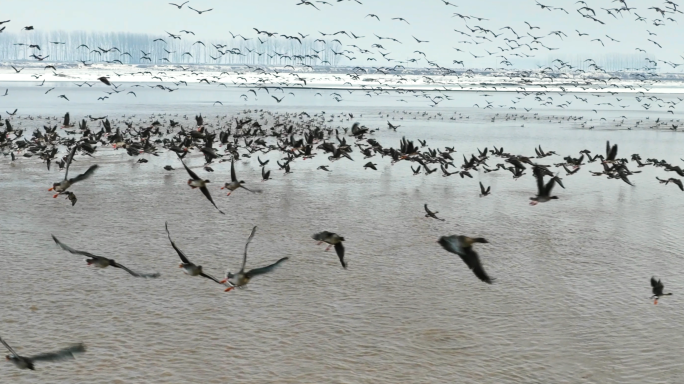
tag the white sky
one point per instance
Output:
(430, 20)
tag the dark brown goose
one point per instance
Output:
(102, 262)
(463, 246)
(23, 362)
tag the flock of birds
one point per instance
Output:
(295, 137)
(599, 88)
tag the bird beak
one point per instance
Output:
(180, 265)
(50, 189)
(223, 281)
(223, 187)
(228, 289)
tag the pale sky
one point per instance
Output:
(429, 20)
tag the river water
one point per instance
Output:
(569, 305)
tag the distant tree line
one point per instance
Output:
(136, 48)
(613, 62)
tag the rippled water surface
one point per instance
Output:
(570, 303)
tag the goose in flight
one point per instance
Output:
(179, 6)
(234, 183)
(102, 262)
(188, 267)
(543, 191)
(66, 183)
(334, 240)
(658, 287)
(483, 191)
(463, 247)
(200, 12)
(429, 213)
(24, 362)
(242, 278)
(196, 182)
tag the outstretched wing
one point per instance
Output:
(451, 244)
(321, 236)
(74, 251)
(339, 248)
(654, 283)
(210, 277)
(472, 260)
(249, 240)
(144, 275)
(467, 254)
(206, 193)
(267, 269)
(190, 172)
(66, 353)
(482, 188)
(68, 161)
(232, 171)
(549, 186)
(427, 210)
(89, 172)
(8, 347)
(540, 180)
(182, 256)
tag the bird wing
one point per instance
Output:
(482, 189)
(267, 269)
(74, 251)
(613, 152)
(472, 260)
(205, 191)
(182, 256)
(249, 240)
(190, 172)
(623, 176)
(136, 274)
(654, 282)
(68, 162)
(540, 180)
(451, 244)
(89, 172)
(232, 171)
(66, 353)
(249, 190)
(549, 186)
(8, 347)
(210, 277)
(427, 210)
(339, 248)
(679, 183)
(321, 236)
(467, 254)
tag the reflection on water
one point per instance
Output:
(570, 303)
